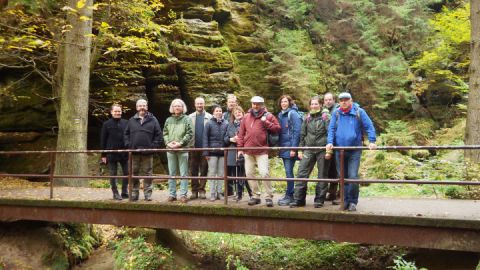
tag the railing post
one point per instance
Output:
(52, 171)
(130, 173)
(342, 179)
(225, 175)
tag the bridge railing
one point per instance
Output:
(341, 180)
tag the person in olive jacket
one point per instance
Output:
(313, 133)
(112, 139)
(178, 133)
(143, 132)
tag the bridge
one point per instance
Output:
(422, 223)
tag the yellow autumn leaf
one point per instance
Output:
(81, 3)
(84, 18)
(105, 25)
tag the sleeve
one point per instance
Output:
(241, 134)
(158, 137)
(126, 135)
(166, 139)
(297, 126)
(272, 124)
(226, 138)
(368, 126)
(188, 132)
(206, 134)
(303, 134)
(332, 128)
(103, 139)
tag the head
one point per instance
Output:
(258, 103)
(285, 102)
(328, 100)
(199, 104)
(237, 113)
(142, 106)
(116, 111)
(315, 103)
(217, 111)
(345, 100)
(177, 107)
(232, 102)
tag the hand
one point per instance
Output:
(329, 146)
(328, 156)
(292, 153)
(207, 158)
(233, 139)
(104, 160)
(372, 146)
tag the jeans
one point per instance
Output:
(177, 162)
(142, 165)
(289, 163)
(215, 168)
(352, 164)
(113, 167)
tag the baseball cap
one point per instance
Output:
(257, 99)
(344, 95)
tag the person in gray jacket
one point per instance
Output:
(198, 164)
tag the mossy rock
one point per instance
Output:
(197, 32)
(212, 83)
(221, 57)
(199, 12)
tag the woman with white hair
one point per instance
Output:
(178, 133)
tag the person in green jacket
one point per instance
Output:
(178, 133)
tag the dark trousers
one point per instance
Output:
(238, 171)
(142, 166)
(332, 174)
(198, 164)
(305, 169)
(113, 168)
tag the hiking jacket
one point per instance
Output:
(112, 139)
(179, 129)
(213, 136)
(253, 131)
(193, 118)
(345, 129)
(314, 130)
(146, 135)
(232, 130)
(290, 125)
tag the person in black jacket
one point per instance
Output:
(112, 139)
(143, 132)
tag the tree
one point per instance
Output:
(74, 95)
(472, 132)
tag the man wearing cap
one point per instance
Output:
(253, 132)
(345, 129)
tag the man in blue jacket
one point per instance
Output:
(346, 126)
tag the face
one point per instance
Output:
(142, 107)
(238, 115)
(256, 106)
(177, 108)
(116, 112)
(328, 101)
(231, 103)
(284, 103)
(314, 105)
(199, 104)
(217, 112)
(345, 103)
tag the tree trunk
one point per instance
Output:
(73, 120)
(472, 132)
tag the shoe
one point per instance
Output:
(335, 202)
(171, 199)
(220, 196)
(318, 204)
(295, 204)
(269, 202)
(134, 199)
(194, 195)
(183, 199)
(352, 207)
(213, 197)
(148, 198)
(124, 195)
(238, 198)
(254, 201)
(201, 194)
(285, 201)
(117, 196)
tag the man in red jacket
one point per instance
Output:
(253, 133)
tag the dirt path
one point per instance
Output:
(101, 259)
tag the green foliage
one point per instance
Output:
(77, 239)
(401, 264)
(136, 253)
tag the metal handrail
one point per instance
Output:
(341, 180)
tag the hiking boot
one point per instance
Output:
(194, 195)
(295, 204)
(334, 202)
(135, 196)
(285, 201)
(124, 195)
(148, 198)
(116, 196)
(352, 207)
(269, 202)
(183, 199)
(254, 201)
(220, 196)
(171, 199)
(318, 204)
(202, 195)
(213, 197)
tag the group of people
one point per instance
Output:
(326, 124)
